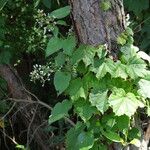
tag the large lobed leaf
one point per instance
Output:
(99, 100)
(124, 103)
(84, 109)
(136, 67)
(108, 66)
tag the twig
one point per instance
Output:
(12, 129)
(9, 137)
(12, 107)
(20, 109)
(29, 127)
(36, 131)
(4, 133)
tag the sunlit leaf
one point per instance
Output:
(124, 103)
(99, 100)
(107, 66)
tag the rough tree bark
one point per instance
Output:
(94, 26)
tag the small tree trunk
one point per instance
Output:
(24, 116)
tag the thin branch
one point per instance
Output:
(12, 107)
(41, 103)
(36, 131)
(29, 127)
(9, 137)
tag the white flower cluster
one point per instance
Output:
(44, 21)
(41, 73)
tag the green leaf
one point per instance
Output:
(90, 81)
(123, 122)
(136, 67)
(134, 133)
(74, 86)
(99, 100)
(20, 147)
(107, 66)
(55, 32)
(88, 57)
(129, 52)
(105, 5)
(61, 12)
(101, 51)
(78, 54)
(121, 40)
(59, 111)
(99, 146)
(61, 81)
(120, 70)
(72, 135)
(80, 94)
(84, 109)
(144, 87)
(84, 53)
(108, 121)
(69, 44)
(124, 103)
(60, 59)
(61, 22)
(112, 136)
(85, 141)
(77, 139)
(102, 70)
(54, 45)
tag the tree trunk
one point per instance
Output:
(94, 26)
